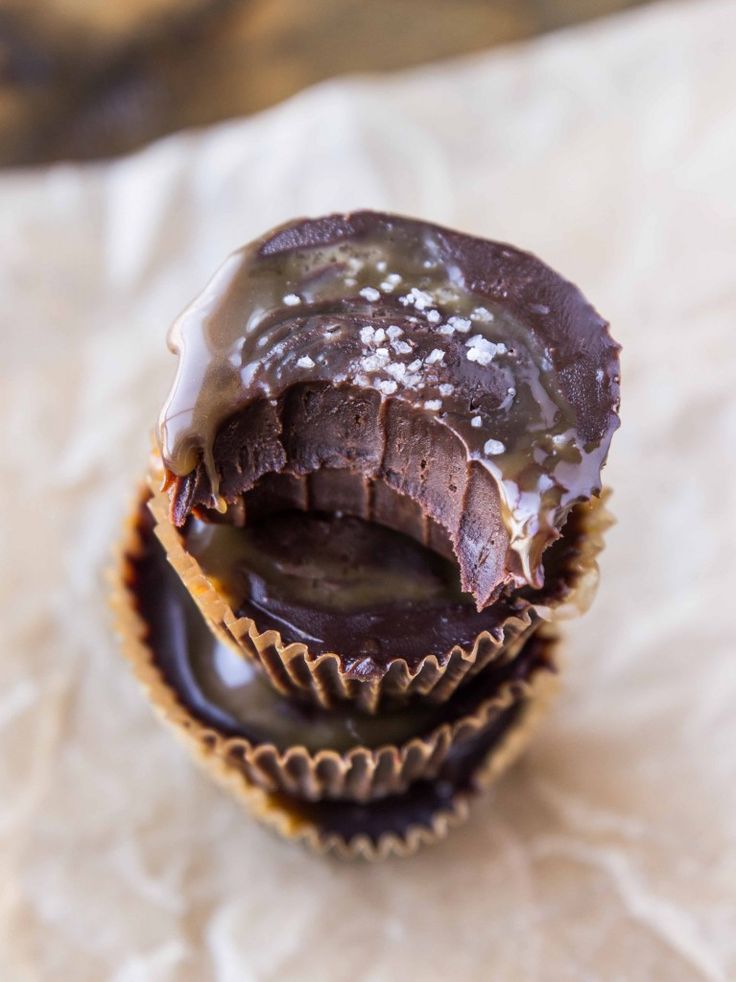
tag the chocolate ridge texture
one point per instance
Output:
(465, 374)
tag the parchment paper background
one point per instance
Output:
(610, 851)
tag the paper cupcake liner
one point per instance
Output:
(359, 774)
(322, 678)
(300, 822)
(297, 818)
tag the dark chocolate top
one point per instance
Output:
(484, 338)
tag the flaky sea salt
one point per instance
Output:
(461, 324)
(417, 298)
(481, 314)
(387, 386)
(476, 421)
(373, 363)
(434, 316)
(305, 362)
(380, 335)
(433, 405)
(291, 300)
(366, 334)
(493, 447)
(434, 357)
(480, 350)
(402, 347)
(391, 282)
(394, 331)
(381, 265)
(396, 370)
(415, 365)
(370, 293)
(446, 389)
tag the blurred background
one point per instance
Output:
(82, 79)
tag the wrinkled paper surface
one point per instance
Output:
(610, 851)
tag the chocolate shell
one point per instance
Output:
(462, 374)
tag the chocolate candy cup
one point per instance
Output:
(329, 680)
(310, 754)
(464, 374)
(417, 791)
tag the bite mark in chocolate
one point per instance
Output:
(398, 312)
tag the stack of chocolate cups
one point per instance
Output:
(376, 490)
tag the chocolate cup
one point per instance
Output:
(418, 805)
(156, 640)
(327, 681)
(290, 361)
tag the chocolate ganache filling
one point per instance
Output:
(464, 374)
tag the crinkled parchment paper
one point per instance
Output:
(610, 851)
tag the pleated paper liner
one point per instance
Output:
(327, 681)
(397, 823)
(155, 616)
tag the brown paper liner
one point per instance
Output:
(287, 810)
(294, 671)
(358, 774)
(296, 824)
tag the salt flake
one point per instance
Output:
(493, 447)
